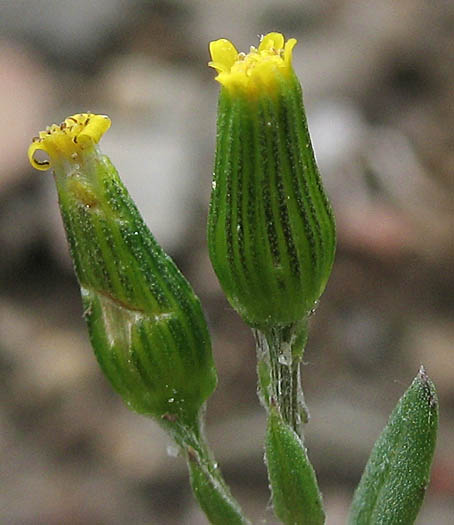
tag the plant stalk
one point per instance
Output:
(279, 355)
(207, 482)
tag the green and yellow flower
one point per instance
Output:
(256, 71)
(271, 231)
(145, 323)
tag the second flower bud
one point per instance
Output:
(271, 231)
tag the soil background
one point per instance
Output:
(378, 85)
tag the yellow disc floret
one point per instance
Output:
(75, 134)
(257, 70)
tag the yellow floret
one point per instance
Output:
(77, 133)
(257, 70)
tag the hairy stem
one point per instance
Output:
(208, 485)
(293, 482)
(279, 355)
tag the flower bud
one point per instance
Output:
(145, 323)
(271, 231)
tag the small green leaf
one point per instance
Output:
(296, 497)
(397, 474)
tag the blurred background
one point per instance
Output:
(378, 84)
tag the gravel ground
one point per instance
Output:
(378, 83)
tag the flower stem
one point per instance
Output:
(208, 485)
(293, 482)
(279, 354)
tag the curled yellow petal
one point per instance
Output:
(288, 51)
(67, 140)
(255, 71)
(271, 41)
(223, 54)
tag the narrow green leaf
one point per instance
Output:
(397, 474)
(296, 497)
